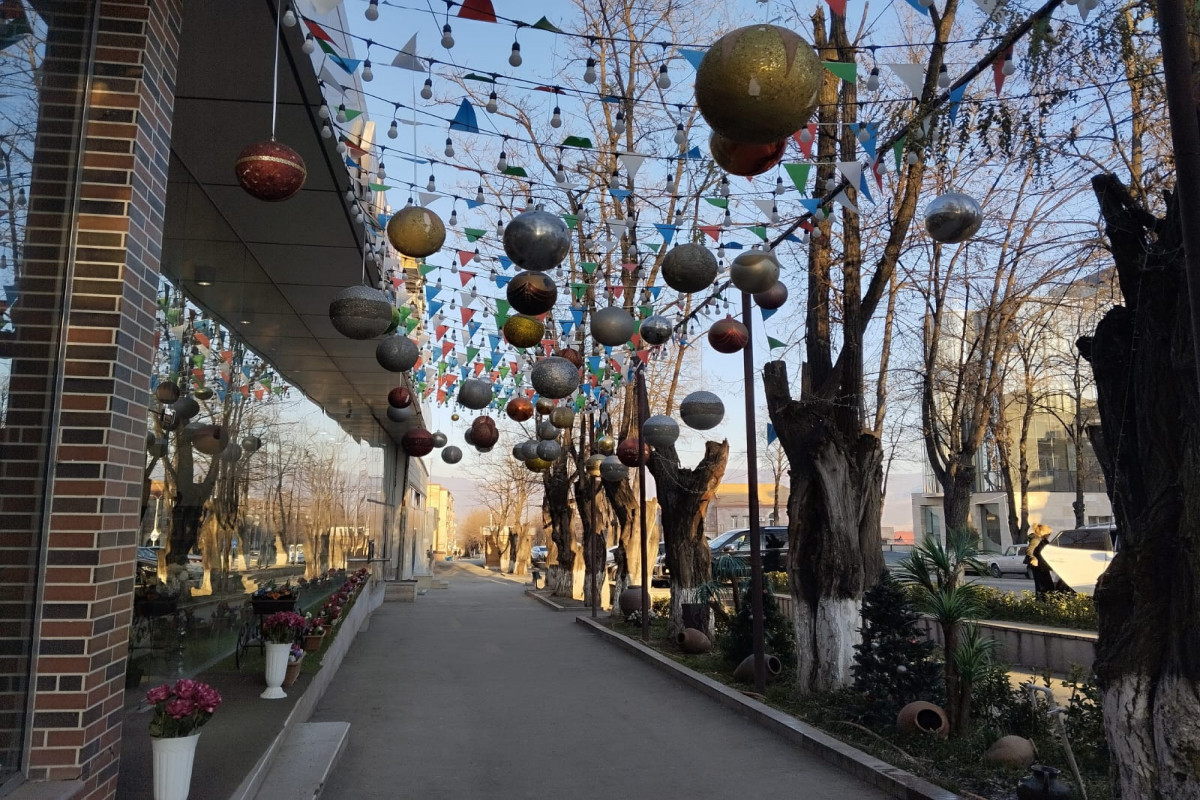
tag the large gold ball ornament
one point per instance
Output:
(606, 444)
(416, 232)
(545, 406)
(758, 84)
(538, 464)
(522, 330)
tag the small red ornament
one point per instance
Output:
(270, 171)
(627, 452)
(572, 355)
(417, 442)
(728, 336)
(519, 409)
(738, 158)
(400, 397)
(483, 432)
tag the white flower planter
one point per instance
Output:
(277, 658)
(173, 766)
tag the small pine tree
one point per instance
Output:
(778, 639)
(894, 664)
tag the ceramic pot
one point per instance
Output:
(312, 643)
(693, 641)
(277, 658)
(745, 670)
(292, 672)
(173, 766)
(922, 717)
(630, 600)
(1043, 784)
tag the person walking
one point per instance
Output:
(1043, 581)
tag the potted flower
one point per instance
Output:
(154, 600)
(279, 632)
(314, 633)
(222, 618)
(270, 599)
(295, 659)
(180, 711)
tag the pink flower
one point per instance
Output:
(180, 707)
(207, 698)
(185, 688)
(158, 694)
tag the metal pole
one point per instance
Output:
(756, 576)
(642, 403)
(590, 436)
(1185, 137)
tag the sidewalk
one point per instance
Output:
(477, 691)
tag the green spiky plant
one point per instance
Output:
(936, 574)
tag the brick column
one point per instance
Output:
(100, 452)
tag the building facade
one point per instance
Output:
(444, 526)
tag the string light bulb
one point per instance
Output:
(560, 177)
(381, 172)
(310, 45)
(514, 58)
(680, 134)
(831, 185)
(492, 105)
(589, 73)
(774, 215)
(393, 130)
(779, 187)
(556, 118)
(327, 132)
(1008, 68)
(453, 217)
(502, 162)
(323, 111)
(341, 113)
(619, 124)
(721, 251)
(367, 73)
(479, 194)
(670, 181)
(943, 79)
(728, 221)
(432, 185)
(615, 181)
(289, 18)
(873, 80)
(664, 79)
(372, 12)
(806, 136)
(447, 36)
(724, 186)
(449, 151)
(427, 89)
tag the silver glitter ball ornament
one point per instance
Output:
(400, 414)
(360, 312)
(452, 455)
(562, 417)
(689, 268)
(702, 410)
(655, 329)
(754, 271)
(549, 450)
(251, 443)
(953, 218)
(554, 377)
(186, 407)
(537, 240)
(523, 451)
(231, 453)
(612, 326)
(660, 431)
(611, 469)
(397, 353)
(439, 439)
(546, 430)
(475, 393)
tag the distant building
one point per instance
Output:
(444, 527)
(731, 507)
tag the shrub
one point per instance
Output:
(737, 641)
(1056, 609)
(661, 606)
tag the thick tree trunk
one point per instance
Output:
(623, 500)
(589, 501)
(834, 550)
(956, 492)
(563, 559)
(684, 495)
(1148, 651)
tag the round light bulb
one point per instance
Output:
(381, 172)
(556, 118)
(664, 80)
(372, 12)
(341, 148)
(1009, 68)
(479, 194)
(779, 188)
(310, 46)
(589, 74)
(560, 177)
(341, 113)
(502, 162)
(514, 58)
(449, 151)
(492, 105)
(327, 132)
(911, 159)
(943, 79)
(680, 134)
(393, 130)
(453, 217)
(619, 124)
(864, 135)
(367, 73)
(447, 37)
(831, 185)
(873, 80)
(323, 111)
(816, 233)
(289, 18)
(431, 186)
(427, 89)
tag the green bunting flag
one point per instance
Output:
(719, 202)
(577, 141)
(799, 175)
(578, 290)
(898, 151)
(471, 353)
(760, 231)
(571, 220)
(846, 70)
(411, 325)
(475, 76)
(473, 234)
(654, 245)
(589, 266)
(544, 24)
(425, 269)
(504, 371)
(775, 343)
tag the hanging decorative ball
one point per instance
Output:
(439, 439)
(655, 329)
(416, 231)
(593, 464)
(537, 240)
(612, 326)
(519, 409)
(417, 442)
(549, 450)
(209, 439)
(562, 417)
(475, 393)
(452, 455)
(728, 336)
(554, 377)
(689, 268)
(484, 450)
(702, 410)
(232, 453)
(627, 452)
(202, 393)
(251, 444)
(483, 432)
(606, 445)
(360, 312)
(400, 397)
(572, 355)
(546, 430)
(758, 84)
(397, 353)
(522, 330)
(270, 171)
(953, 218)
(469, 436)
(400, 414)
(747, 160)
(538, 464)
(754, 271)
(532, 292)
(155, 447)
(772, 298)
(545, 406)
(660, 431)
(186, 407)
(523, 451)
(454, 417)
(166, 392)
(612, 470)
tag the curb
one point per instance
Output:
(546, 601)
(892, 780)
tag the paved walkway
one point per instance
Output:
(480, 692)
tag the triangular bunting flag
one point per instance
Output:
(799, 175)
(771, 435)
(838, 7)
(632, 163)
(956, 96)
(913, 76)
(774, 343)
(544, 24)
(477, 9)
(846, 70)
(407, 57)
(465, 120)
(852, 170)
(694, 57)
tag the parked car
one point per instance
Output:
(1012, 560)
(1079, 556)
(774, 542)
(539, 553)
(147, 563)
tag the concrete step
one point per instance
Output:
(304, 761)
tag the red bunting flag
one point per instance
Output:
(478, 368)
(440, 331)
(441, 396)
(998, 75)
(644, 355)
(420, 361)
(617, 290)
(446, 348)
(838, 6)
(465, 276)
(806, 147)
(258, 394)
(318, 31)
(465, 256)
(548, 346)
(467, 313)
(713, 231)
(477, 9)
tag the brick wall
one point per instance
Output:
(100, 453)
